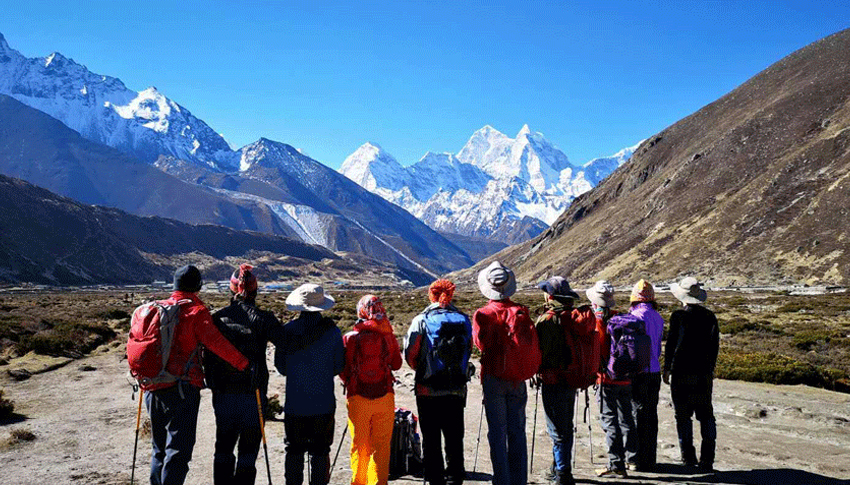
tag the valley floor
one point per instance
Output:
(83, 417)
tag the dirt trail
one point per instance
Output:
(84, 423)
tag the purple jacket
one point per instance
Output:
(654, 328)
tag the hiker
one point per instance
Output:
(690, 356)
(371, 354)
(234, 393)
(504, 333)
(438, 347)
(615, 405)
(173, 406)
(566, 338)
(646, 385)
(310, 358)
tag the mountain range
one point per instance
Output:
(495, 188)
(144, 153)
(753, 188)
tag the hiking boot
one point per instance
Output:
(551, 475)
(611, 473)
(564, 477)
(630, 465)
(706, 467)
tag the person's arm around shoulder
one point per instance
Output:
(413, 341)
(274, 329)
(207, 334)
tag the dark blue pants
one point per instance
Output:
(313, 435)
(692, 397)
(645, 389)
(615, 413)
(559, 404)
(442, 417)
(174, 420)
(237, 420)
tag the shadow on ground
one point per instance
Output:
(13, 418)
(683, 475)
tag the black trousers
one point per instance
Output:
(313, 435)
(442, 417)
(692, 397)
(645, 389)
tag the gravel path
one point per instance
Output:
(83, 417)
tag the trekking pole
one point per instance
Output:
(478, 441)
(136, 444)
(575, 426)
(534, 429)
(263, 432)
(587, 420)
(338, 448)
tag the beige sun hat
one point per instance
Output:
(601, 294)
(309, 298)
(497, 281)
(689, 291)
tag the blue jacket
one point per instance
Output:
(312, 355)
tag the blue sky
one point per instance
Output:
(417, 76)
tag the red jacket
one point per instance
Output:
(195, 329)
(393, 359)
(489, 332)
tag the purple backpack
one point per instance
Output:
(630, 347)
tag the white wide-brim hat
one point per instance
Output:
(496, 281)
(309, 298)
(689, 291)
(601, 294)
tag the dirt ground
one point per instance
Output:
(83, 417)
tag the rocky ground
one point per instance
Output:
(83, 418)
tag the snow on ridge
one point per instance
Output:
(493, 180)
(145, 124)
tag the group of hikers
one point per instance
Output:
(177, 347)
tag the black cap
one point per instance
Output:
(188, 279)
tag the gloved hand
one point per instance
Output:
(665, 376)
(470, 371)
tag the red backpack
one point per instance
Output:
(371, 376)
(582, 338)
(522, 357)
(151, 337)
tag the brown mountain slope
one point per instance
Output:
(751, 189)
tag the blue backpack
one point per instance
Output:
(446, 349)
(630, 347)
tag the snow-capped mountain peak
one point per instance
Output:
(371, 167)
(145, 124)
(525, 130)
(495, 187)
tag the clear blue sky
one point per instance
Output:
(418, 76)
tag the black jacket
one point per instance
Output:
(249, 329)
(692, 342)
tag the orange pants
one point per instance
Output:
(370, 422)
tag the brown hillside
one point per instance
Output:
(751, 189)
